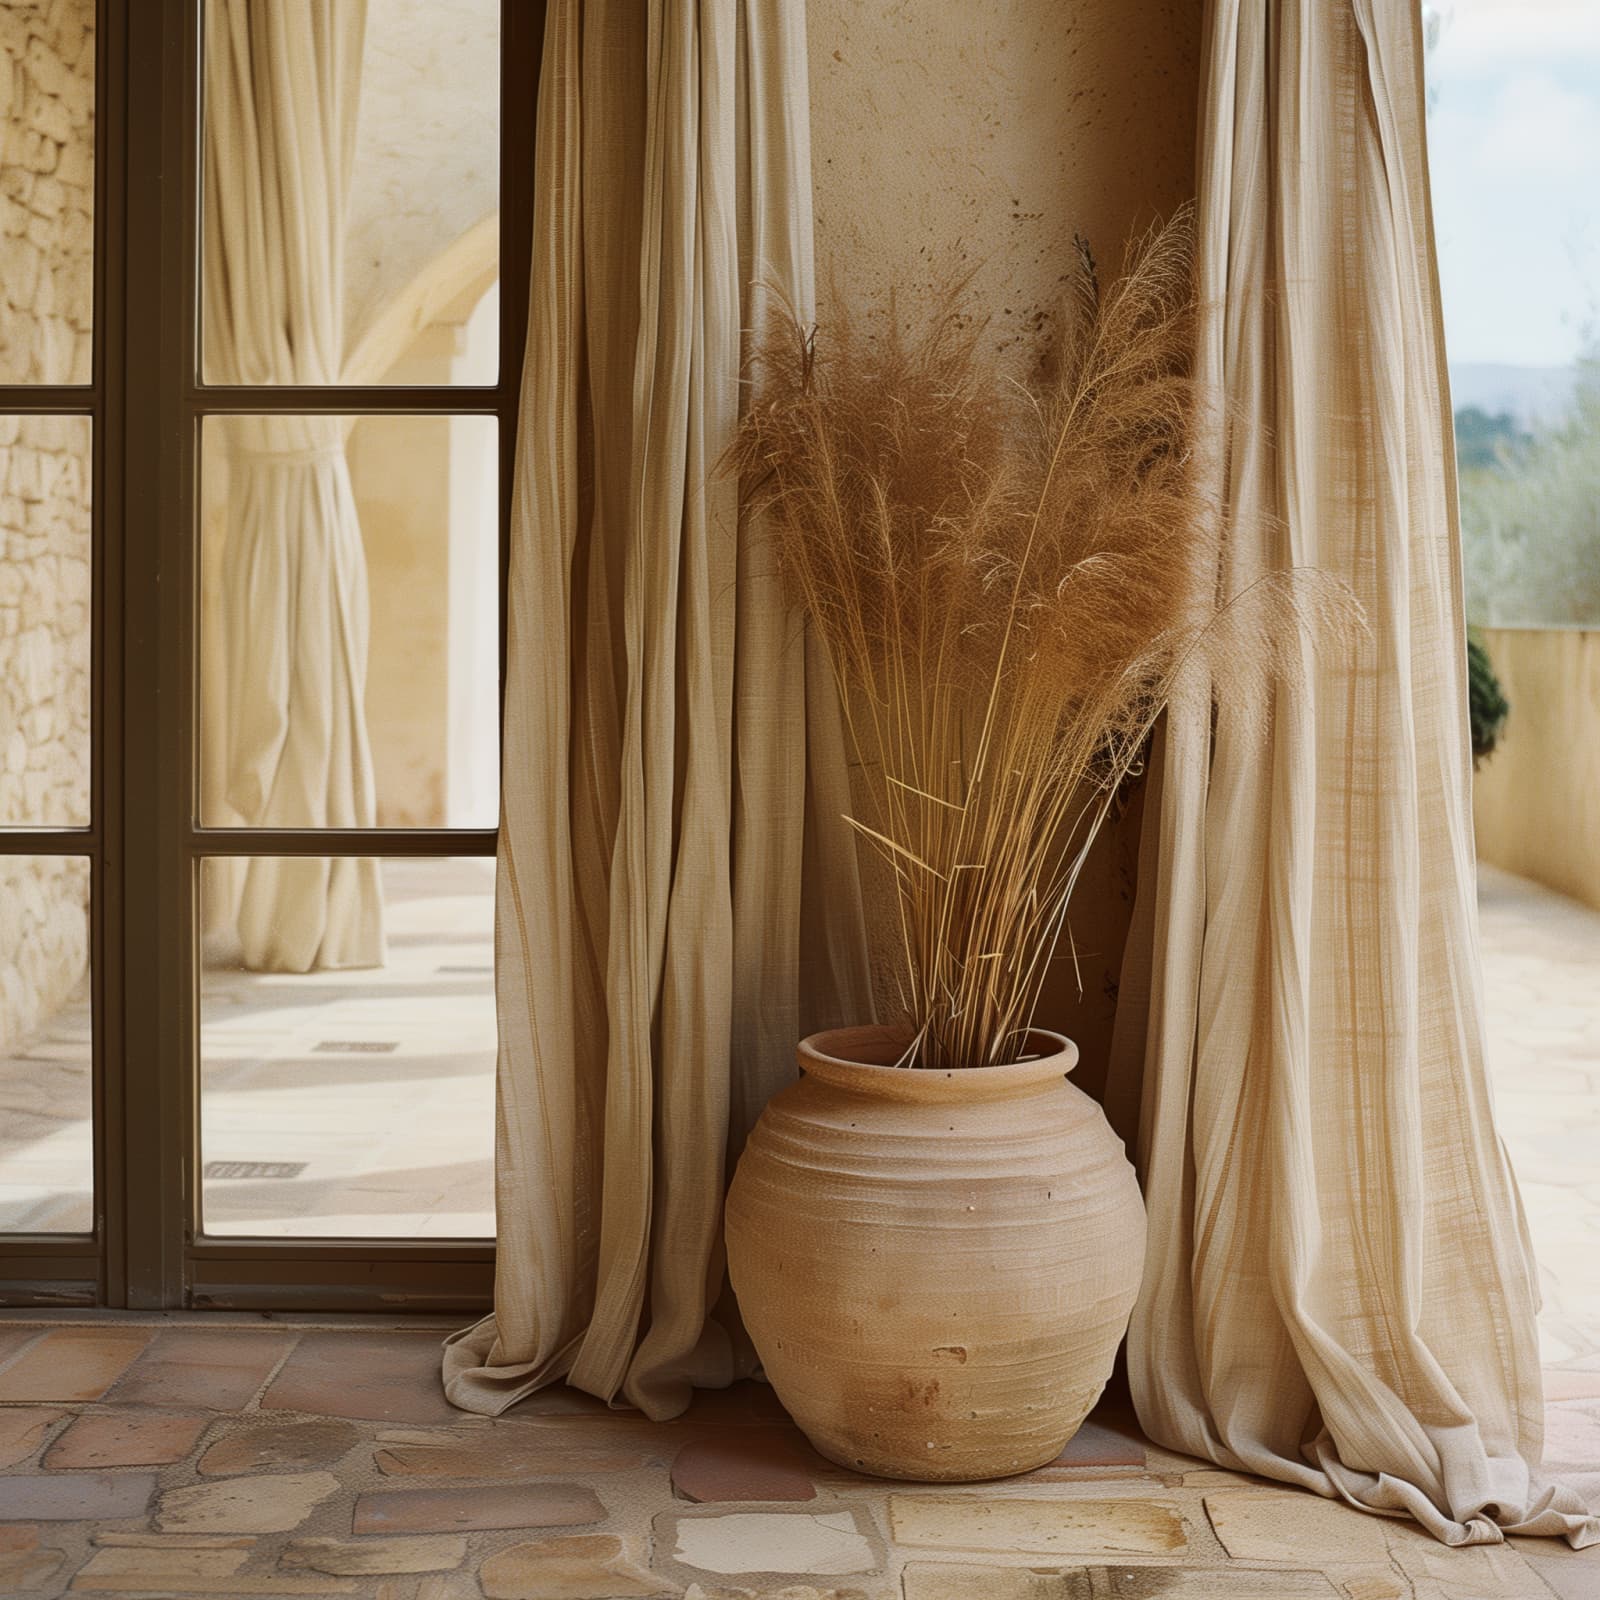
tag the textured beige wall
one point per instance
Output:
(951, 136)
(46, 196)
(1536, 800)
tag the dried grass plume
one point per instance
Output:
(1009, 581)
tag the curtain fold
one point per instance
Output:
(673, 757)
(282, 87)
(1340, 1291)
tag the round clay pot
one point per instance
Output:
(936, 1267)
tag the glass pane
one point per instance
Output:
(45, 482)
(350, 622)
(46, 190)
(361, 244)
(46, 1094)
(1514, 162)
(353, 1102)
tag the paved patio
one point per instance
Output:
(182, 1458)
(233, 1457)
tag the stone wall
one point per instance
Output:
(1535, 805)
(46, 202)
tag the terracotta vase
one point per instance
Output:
(936, 1267)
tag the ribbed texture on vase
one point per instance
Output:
(936, 1284)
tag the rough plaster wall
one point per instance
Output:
(427, 161)
(952, 136)
(46, 187)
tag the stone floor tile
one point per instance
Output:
(525, 1451)
(455, 1586)
(125, 1439)
(768, 1545)
(212, 1369)
(1469, 1572)
(1294, 1525)
(927, 1580)
(1567, 1573)
(273, 1503)
(591, 1566)
(281, 1446)
(1080, 1527)
(531, 1505)
(740, 1464)
(1374, 1584)
(373, 1377)
(76, 1497)
(234, 1586)
(23, 1429)
(351, 1558)
(28, 1569)
(1566, 1383)
(1218, 1583)
(1572, 1434)
(15, 1339)
(1105, 1440)
(71, 1364)
(123, 1540)
(136, 1569)
(825, 1589)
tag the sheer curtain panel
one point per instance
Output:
(283, 79)
(674, 775)
(1339, 1290)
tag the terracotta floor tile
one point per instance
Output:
(556, 1449)
(282, 1446)
(217, 1369)
(23, 1430)
(376, 1377)
(533, 1505)
(15, 1339)
(72, 1364)
(125, 1439)
(76, 1497)
(741, 1464)
(576, 1567)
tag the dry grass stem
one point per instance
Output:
(1010, 582)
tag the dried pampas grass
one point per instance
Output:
(1010, 582)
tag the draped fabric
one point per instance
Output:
(1339, 1290)
(677, 897)
(282, 85)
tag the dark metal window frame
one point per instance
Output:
(144, 842)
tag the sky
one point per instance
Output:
(1514, 141)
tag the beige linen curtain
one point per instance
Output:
(1339, 1290)
(678, 898)
(282, 84)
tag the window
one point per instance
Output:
(257, 391)
(1514, 144)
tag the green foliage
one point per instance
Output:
(1487, 706)
(1486, 441)
(1530, 519)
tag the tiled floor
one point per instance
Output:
(1541, 963)
(333, 1103)
(191, 1458)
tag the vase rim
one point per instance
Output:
(863, 1058)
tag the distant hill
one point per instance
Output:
(1529, 395)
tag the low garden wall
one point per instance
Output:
(1537, 798)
